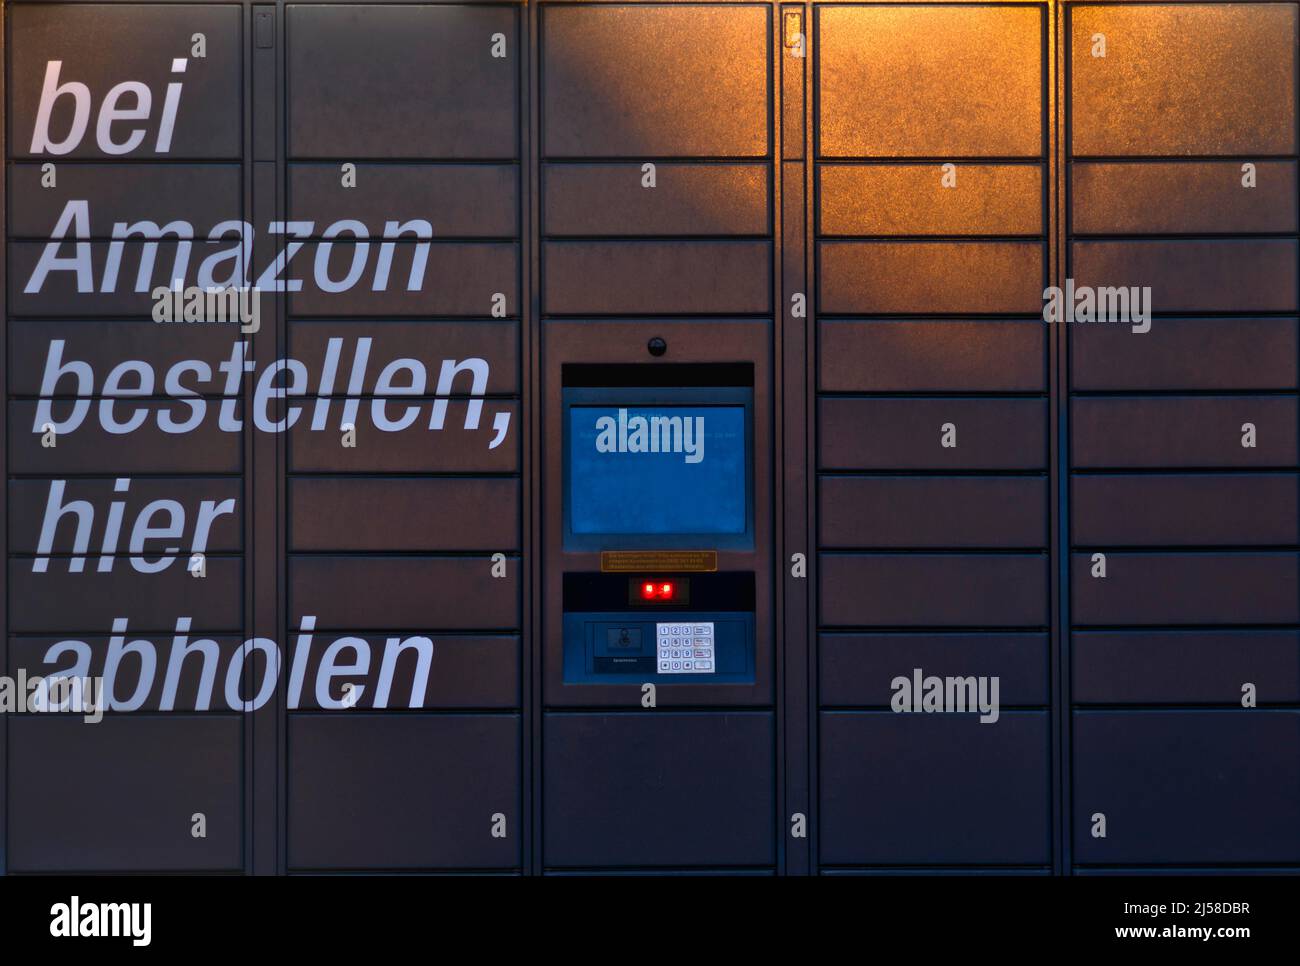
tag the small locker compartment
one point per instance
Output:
(1184, 431)
(933, 589)
(924, 199)
(1170, 509)
(478, 436)
(402, 81)
(935, 789)
(392, 514)
(457, 200)
(1186, 354)
(1185, 667)
(405, 592)
(1185, 787)
(345, 277)
(403, 791)
(203, 195)
(730, 276)
(1194, 275)
(605, 91)
(1241, 587)
(1181, 197)
(333, 346)
(861, 512)
(923, 277)
(617, 199)
(39, 601)
(982, 97)
(919, 355)
(932, 433)
(176, 105)
(105, 344)
(857, 670)
(121, 795)
(1182, 79)
(658, 788)
(204, 529)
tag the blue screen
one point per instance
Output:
(657, 469)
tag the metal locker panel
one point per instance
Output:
(192, 692)
(1201, 275)
(148, 44)
(416, 449)
(458, 279)
(858, 670)
(202, 194)
(496, 341)
(1183, 431)
(380, 812)
(1184, 667)
(888, 781)
(1193, 510)
(662, 789)
(661, 80)
(933, 590)
(478, 671)
(458, 200)
(403, 514)
(1244, 587)
(1183, 79)
(1186, 354)
(954, 356)
(89, 448)
(687, 199)
(882, 278)
(879, 434)
(423, 84)
(29, 499)
(977, 69)
(105, 344)
(118, 796)
(1187, 786)
(404, 593)
(1181, 197)
(39, 601)
(932, 511)
(911, 199)
(95, 293)
(657, 277)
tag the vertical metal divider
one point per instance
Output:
(531, 857)
(791, 346)
(265, 467)
(776, 60)
(4, 449)
(1060, 441)
(811, 33)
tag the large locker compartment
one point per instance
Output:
(932, 418)
(1183, 435)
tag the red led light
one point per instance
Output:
(660, 591)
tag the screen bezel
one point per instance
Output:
(648, 396)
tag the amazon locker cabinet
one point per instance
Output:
(605, 436)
